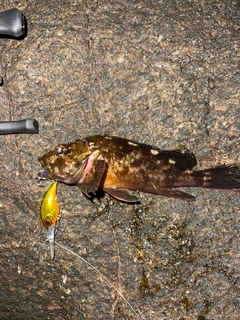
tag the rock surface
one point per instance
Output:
(160, 72)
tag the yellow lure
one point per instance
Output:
(49, 207)
(49, 212)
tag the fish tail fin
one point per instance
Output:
(222, 177)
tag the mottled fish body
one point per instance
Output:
(120, 166)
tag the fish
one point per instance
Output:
(120, 167)
(49, 214)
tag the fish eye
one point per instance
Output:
(61, 150)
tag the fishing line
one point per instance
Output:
(96, 270)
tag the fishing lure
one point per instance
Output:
(120, 166)
(49, 212)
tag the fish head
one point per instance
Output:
(66, 162)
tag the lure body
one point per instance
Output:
(120, 166)
(49, 212)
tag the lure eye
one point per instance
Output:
(47, 223)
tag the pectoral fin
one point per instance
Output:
(122, 194)
(91, 177)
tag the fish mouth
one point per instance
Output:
(44, 174)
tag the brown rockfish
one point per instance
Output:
(120, 166)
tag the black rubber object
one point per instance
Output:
(12, 23)
(21, 126)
